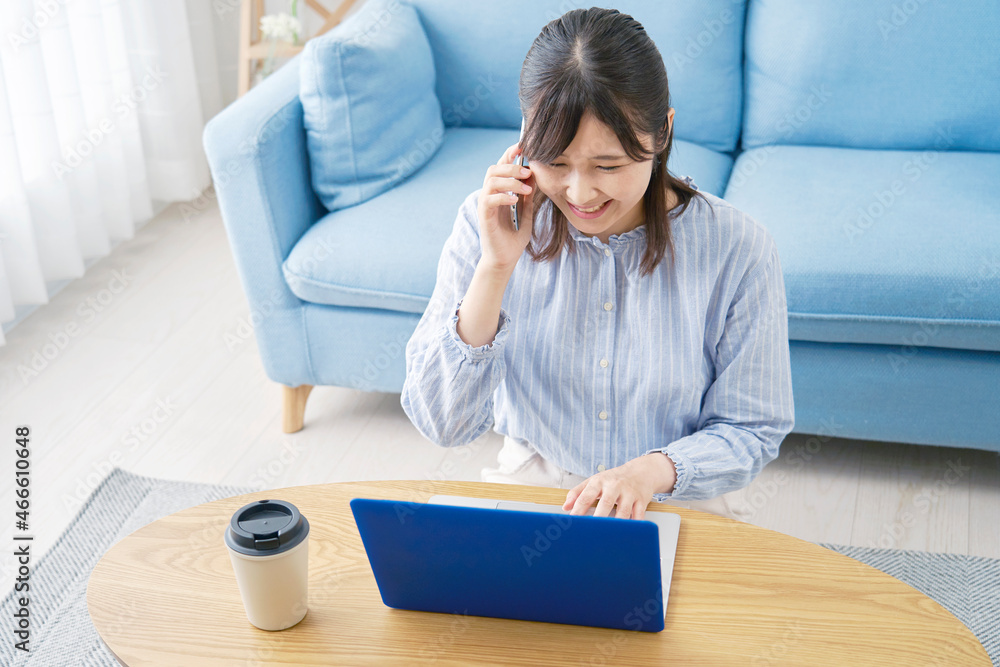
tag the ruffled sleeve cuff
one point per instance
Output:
(682, 468)
(488, 351)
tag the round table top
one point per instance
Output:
(167, 595)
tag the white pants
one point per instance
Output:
(519, 463)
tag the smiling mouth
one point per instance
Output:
(592, 209)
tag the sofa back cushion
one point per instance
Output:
(369, 108)
(892, 74)
(479, 48)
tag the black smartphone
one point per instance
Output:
(519, 161)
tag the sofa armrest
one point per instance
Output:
(256, 149)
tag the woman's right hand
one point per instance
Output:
(503, 245)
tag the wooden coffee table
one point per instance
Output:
(740, 595)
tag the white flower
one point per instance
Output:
(280, 27)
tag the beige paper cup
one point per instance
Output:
(268, 543)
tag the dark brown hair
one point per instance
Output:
(602, 61)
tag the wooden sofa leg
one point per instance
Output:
(294, 407)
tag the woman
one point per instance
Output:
(639, 352)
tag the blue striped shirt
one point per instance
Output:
(594, 364)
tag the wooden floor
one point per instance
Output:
(154, 371)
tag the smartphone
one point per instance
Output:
(519, 161)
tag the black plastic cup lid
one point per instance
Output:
(266, 527)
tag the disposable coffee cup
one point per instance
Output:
(268, 543)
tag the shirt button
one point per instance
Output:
(607, 251)
(608, 306)
(604, 363)
(603, 414)
(601, 468)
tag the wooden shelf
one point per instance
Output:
(262, 50)
(253, 48)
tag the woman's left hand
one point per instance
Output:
(629, 487)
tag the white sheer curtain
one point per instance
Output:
(102, 105)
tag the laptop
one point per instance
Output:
(517, 560)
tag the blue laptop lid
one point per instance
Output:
(533, 566)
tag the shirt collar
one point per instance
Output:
(631, 235)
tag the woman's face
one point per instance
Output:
(595, 173)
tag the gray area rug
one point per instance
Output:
(62, 633)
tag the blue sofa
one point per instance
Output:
(864, 134)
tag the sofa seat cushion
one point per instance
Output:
(384, 252)
(888, 247)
